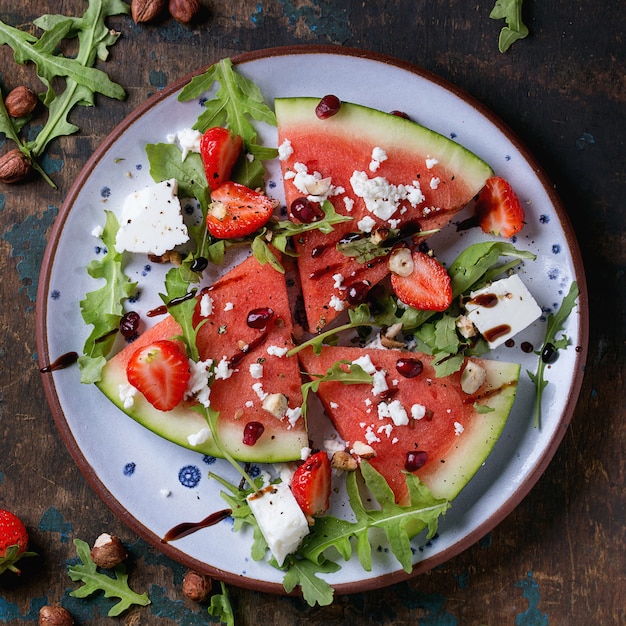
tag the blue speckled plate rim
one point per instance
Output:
(259, 585)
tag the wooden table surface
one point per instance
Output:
(559, 558)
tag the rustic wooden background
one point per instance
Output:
(559, 558)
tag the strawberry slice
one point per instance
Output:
(311, 484)
(160, 371)
(220, 150)
(427, 287)
(236, 211)
(498, 208)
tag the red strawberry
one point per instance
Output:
(311, 484)
(236, 211)
(160, 371)
(498, 208)
(13, 541)
(427, 287)
(220, 150)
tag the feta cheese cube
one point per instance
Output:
(280, 519)
(151, 221)
(502, 309)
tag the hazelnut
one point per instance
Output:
(14, 166)
(342, 460)
(197, 587)
(108, 551)
(20, 102)
(146, 10)
(401, 262)
(363, 450)
(54, 615)
(183, 11)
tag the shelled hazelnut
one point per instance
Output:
(197, 586)
(108, 551)
(54, 615)
(20, 101)
(14, 166)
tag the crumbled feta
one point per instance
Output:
(365, 363)
(206, 305)
(198, 383)
(166, 493)
(256, 370)
(336, 303)
(223, 369)
(189, 141)
(200, 437)
(502, 309)
(293, 415)
(151, 221)
(380, 382)
(381, 197)
(458, 428)
(97, 231)
(285, 150)
(431, 162)
(366, 224)
(258, 389)
(378, 156)
(385, 429)
(314, 186)
(418, 411)
(305, 453)
(395, 411)
(348, 203)
(334, 405)
(434, 182)
(338, 284)
(370, 436)
(280, 519)
(127, 395)
(276, 351)
(229, 306)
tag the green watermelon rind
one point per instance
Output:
(181, 422)
(400, 131)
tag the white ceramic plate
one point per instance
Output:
(153, 484)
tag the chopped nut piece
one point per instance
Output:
(473, 377)
(401, 262)
(342, 460)
(466, 326)
(363, 450)
(276, 404)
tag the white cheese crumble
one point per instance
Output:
(198, 383)
(380, 382)
(434, 182)
(314, 186)
(127, 395)
(276, 351)
(458, 428)
(97, 231)
(418, 411)
(348, 203)
(431, 162)
(338, 284)
(365, 363)
(223, 370)
(189, 141)
(200, 437)
(229, 306)
(293, 415)
(280, 519)
(206, 305)
(395, 411)
(151, 221)
(383, 198)
(256, 370)
(258, 389)
(378, 156)
(285, 150)
(366, 224)
(336, 303)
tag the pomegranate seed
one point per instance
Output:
(409, 368)
(357, 292)
(401, 114)
(129, 324)
(259, 318)
(252, 432)
(327, 107)
(415, 460)
(305, 211)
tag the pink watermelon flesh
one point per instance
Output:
(338, 146)
(456, 437)
(248, 286)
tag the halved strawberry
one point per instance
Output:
(427, 287)
(498, 208)
(13, 541)
(220, 150)
(160, 371)
(311, 484)
(236, 211)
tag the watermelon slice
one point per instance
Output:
(447, 430)
(226, 336)
(368, 158)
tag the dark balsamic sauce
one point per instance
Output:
(187, 528)
(65, 360)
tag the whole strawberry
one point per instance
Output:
(13, 541)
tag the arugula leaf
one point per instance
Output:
(221, 607)
(237, 100)
(83, 80)
(103, 307)
(554, 326)
(303, 572)
(511, 11)
(96, 581)
(342, 371)
(399, 523)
